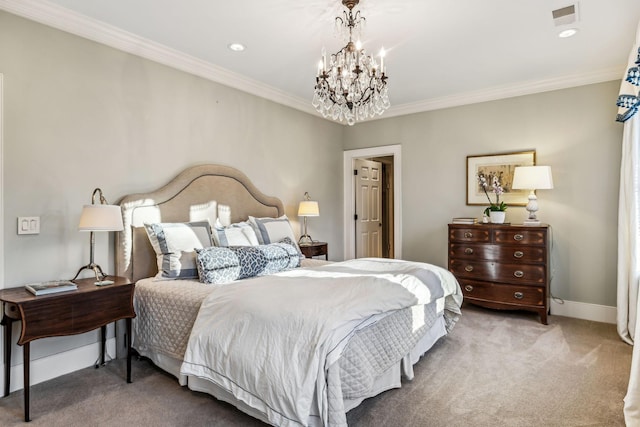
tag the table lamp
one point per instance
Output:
(98, 217)
(307, 208)
(532, 178)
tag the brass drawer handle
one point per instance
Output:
(468, 268)
(468, 288)
(518, 237)
(468, 251)
(468, 234)
(518, 254)
(518, 295)
(518, 273)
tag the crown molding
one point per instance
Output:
(72, 22)
(75, 23)
(507, 91)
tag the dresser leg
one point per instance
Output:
(27, 382)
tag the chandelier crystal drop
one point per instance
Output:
(350, 85)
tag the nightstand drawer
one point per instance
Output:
(507, 294)
(315, 249)
(75, 312)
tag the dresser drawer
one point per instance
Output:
(509, 294)
(521, 237)
(470, 251)
(470, 234)
(499, 272)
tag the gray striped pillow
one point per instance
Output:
(175, 245)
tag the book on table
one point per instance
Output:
(52, 287)
(464, 220)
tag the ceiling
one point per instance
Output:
(440, 53)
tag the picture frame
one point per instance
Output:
(502, 165)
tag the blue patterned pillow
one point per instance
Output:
(217, 265)
(223, 265)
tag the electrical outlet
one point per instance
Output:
(28, 225)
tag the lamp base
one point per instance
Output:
(531, 222)
(100, 276)
(104, 283)
(305, 239)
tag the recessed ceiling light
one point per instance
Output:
(567, 33)
(236, 47)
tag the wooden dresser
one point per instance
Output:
(502, 266)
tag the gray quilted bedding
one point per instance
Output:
(166, 312)
(373, 350)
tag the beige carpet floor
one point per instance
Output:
(495, 369)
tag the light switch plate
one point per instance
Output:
(28, 225)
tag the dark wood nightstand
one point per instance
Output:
(315, 249)
(64, 313)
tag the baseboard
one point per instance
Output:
(53, 366)
(581, 310)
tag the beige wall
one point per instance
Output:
(572, 130)
(80, 115)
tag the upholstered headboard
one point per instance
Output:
(196, 194)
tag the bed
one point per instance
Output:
(301, 346)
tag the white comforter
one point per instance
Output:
(270, 340)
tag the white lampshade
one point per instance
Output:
(532, 178)
(308, 208)
(101, 218)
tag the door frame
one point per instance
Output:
(2, 281)
(349, 195)
(2, 192)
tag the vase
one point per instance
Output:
(497, 217)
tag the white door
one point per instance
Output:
(368, 218)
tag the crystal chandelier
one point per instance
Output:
(350, 86)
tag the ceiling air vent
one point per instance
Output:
(565, 16)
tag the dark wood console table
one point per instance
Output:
(64, 313)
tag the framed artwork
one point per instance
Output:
(502, 166)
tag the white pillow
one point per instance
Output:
(175, 245)
(239, 234)
(272, 230)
